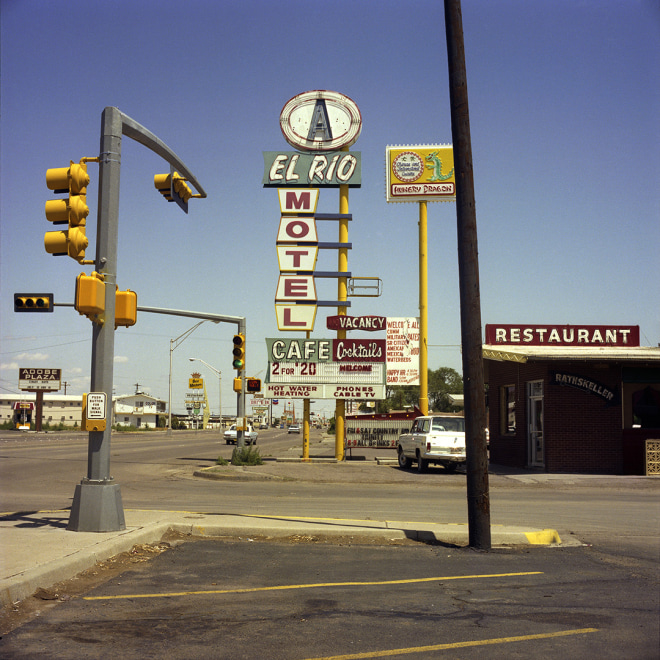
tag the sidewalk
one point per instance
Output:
(36, 549)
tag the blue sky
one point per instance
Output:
(565, 119)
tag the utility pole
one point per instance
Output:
(468, 267)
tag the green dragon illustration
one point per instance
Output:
(436, 166)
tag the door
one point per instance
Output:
(535, 450)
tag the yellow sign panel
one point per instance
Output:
(195, 383)
(421, 173)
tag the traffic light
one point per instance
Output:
(33, 302)
(89, 299)
(72, 211)
(238, 352)
(253, 385)
(173, 188)
(163, 183)
(125, 308)
(238, 385)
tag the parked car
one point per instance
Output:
(436, 439)
(294, 428)
(231, 435)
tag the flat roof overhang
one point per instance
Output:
(635, 355)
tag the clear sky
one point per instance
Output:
(565, 120)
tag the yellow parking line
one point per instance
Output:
(308, 586)
(456, 645)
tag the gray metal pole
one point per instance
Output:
(240, 396)
(468, 266)
(97, 505)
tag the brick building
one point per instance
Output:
(581, 399)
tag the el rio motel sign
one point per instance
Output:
(322, 125)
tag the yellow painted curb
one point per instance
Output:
(544, 537)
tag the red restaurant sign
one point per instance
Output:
(563, 335)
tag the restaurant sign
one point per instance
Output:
(563, 335)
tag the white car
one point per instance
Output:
(231, 435)
(294, 428)
(438, 439)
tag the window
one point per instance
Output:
(508, 409)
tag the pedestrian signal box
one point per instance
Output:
(253, 385)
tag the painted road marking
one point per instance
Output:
(309, 586)
(456, 645)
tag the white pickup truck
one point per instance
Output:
(231, 435)
(438, 439)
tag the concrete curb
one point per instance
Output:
(24, 584)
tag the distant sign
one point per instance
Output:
(322, 391)
(420, 173)
(195, 383)
(402, 351)
(39, 379)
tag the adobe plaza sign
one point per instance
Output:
(47, 380)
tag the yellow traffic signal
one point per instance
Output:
(238, 385)
(125, 308)
(90, 301)
(33, 302)
(72, 211)
(238, 352)
(90, 296)
(163, 183)
(173, 188)
(181, 188)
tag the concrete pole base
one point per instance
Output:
(97, 507)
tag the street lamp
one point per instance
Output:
(175, 343)
(217, 371)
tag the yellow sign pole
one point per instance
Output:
(342, 295)
(306, 408)
(423, 312)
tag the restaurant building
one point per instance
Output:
(573, 399)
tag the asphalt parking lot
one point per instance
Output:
(307, 598)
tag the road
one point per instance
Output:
(309, 599)
(40, 471)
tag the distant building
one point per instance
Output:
(139, 410)
(572, 398)
(57, 408)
